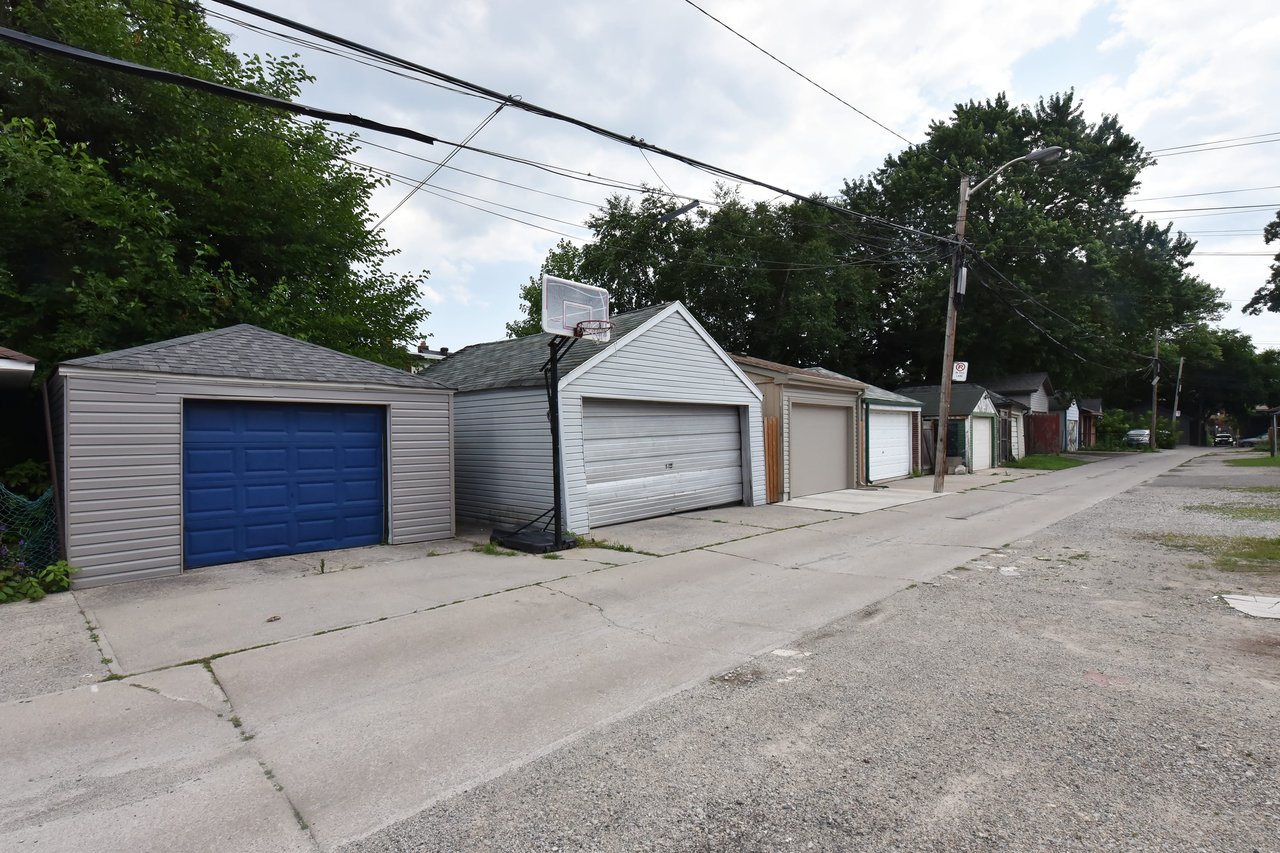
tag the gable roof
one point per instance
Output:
(1020, 383)
(827, 378)
(517, 362)
(965, 397)
(248, 352)
(1003, 402)
(14, 355)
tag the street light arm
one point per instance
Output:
(973, 189)
(1040, 155)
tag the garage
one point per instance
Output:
(647, 458)
(819, 447)
(267, 479)
(657, 420)
(983, 437)
(889, 444)
(238, 444)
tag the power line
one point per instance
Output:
(1215, 192)
(813, 82)
(1213, 142)
(1214, 148)
(544, 112)
(1220, 207)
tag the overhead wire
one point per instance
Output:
(1213, 192)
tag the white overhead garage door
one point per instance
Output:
(819, 449)
(888, 445)
(647, 459)
(982, 434)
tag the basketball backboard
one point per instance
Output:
(565, 304)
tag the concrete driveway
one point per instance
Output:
(274, 706)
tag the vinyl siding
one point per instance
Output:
(791, 396)
(1038, 401)
(502, 444)
(123, 439)
(668, 362)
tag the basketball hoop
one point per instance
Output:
(594, 330)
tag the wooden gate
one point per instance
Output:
(772, 461)
(1044, 432)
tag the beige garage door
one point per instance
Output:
(819, 449)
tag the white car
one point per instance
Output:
(1137, 438)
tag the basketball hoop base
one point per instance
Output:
(531, 541)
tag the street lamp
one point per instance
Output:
(1040, 155)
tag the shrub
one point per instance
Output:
(19, 581)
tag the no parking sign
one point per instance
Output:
(959, 371)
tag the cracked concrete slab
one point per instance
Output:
(772, 516)
(115, 767)
(856, 501)
(364, 727)
(197, 619)
(47, 648)
(672, 534)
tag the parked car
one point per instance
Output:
(1255, 441)
(1137, 438)
(1224, 439)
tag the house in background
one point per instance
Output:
(424, 356)
(659, 420)
(812, 427)
(238, 444)
(1090, 418)
(1033, 390)
(1043, 427)
(971, 427)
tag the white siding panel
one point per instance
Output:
(1039, 401)
(502, 449)
(123, 446)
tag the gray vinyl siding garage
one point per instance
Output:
(123, 422)
(654, 422)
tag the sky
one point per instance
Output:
(1175, 74)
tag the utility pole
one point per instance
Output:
(949, 345)
(1155, 382)
(1177, 392)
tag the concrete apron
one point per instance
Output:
(351, 730)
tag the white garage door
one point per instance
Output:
(819, 449)
(646, 459)
(888, 445)
(981, 443)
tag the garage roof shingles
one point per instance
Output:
(517, 363)
(248, 352)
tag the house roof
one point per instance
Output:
(881, 395)
(965, 397)
(517, 362)
(14, 355)
(1093, 405)
(248, 352)
(1002, 402)
(1020, 383)
(828, 378)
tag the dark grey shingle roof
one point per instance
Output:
(877, 394)
(248, 352)
(1022, 383)
(830, 376)
(14, 355)
(517, 363)
(964, 398)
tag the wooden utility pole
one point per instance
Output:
(1155, 382)
(1177, 392)
(949, 345)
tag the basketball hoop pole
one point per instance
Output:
(553, 414)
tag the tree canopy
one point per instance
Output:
(1267, 297)
(1063, 277)
(136, 211)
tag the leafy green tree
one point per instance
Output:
(135, 211)
(1267, 297)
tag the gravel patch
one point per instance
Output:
(1084, 690)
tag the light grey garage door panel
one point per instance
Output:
(819, 449)
(649, 459)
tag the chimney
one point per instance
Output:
(422, 347)
(444, 350)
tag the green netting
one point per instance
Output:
(28, 530)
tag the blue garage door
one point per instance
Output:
(265, 479)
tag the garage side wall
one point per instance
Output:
(123, 469)
(502, 444)
(669, 362)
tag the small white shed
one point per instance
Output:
(972, 426)
(657, 421)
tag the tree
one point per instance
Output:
(1063, 277)
(136, 211)
(1267, 297)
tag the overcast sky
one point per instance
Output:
(1175, 74)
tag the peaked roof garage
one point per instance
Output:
(657, 421)
(238, 444)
